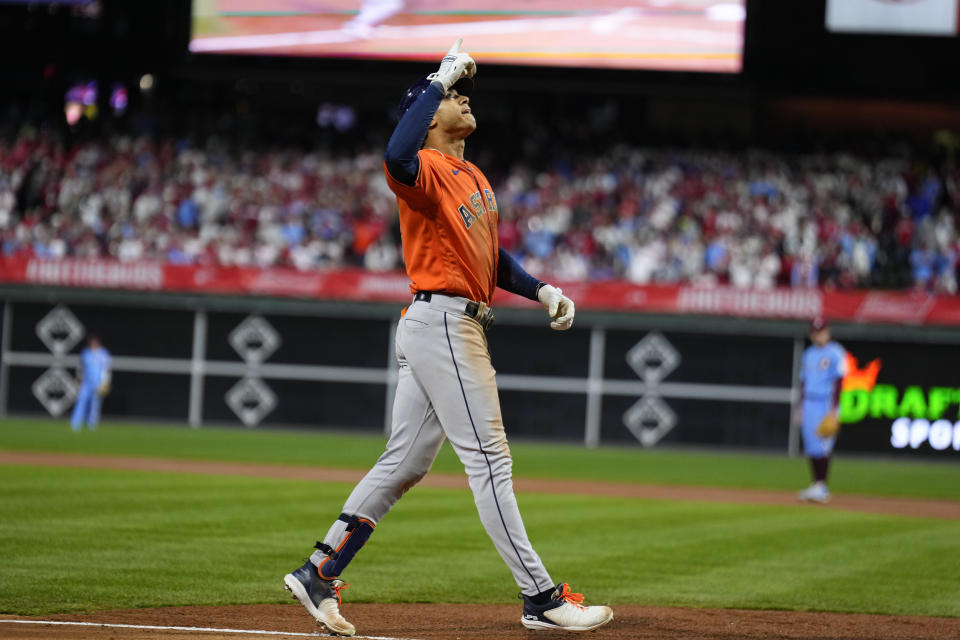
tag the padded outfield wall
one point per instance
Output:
(625, 378)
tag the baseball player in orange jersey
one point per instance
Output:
(447, 386)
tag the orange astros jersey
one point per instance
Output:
(448, 221)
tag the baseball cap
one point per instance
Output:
(464, 87)
(818, 324)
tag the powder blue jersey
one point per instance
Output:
(822, 367)
(95, 364)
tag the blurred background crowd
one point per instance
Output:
(748, 218)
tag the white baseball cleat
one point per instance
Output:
(564, 612)
(817, 492)
(321, 598)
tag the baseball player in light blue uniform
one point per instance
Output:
(94, 384)
(821, 374)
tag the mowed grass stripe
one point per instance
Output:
(82, 539)
(938, 480)
(913, 507)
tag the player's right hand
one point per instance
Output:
(455, 65)
(559, 307)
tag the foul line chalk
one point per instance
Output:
(151, 627)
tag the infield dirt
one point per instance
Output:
(498, 622)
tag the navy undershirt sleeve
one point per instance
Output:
(511, 277)
(401, 155)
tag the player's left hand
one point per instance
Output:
(103, 390)
(829, 426)
(559, 307)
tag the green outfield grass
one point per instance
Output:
(80, 539)
(535, 460)
(88, 539)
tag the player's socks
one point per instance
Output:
(820, 468)
(541, 598)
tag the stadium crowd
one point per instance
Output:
(647, 215)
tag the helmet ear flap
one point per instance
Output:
(464, 87)
(410, 96)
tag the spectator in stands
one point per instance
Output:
(759, 219)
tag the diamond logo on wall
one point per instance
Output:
(56, 390)
(649, 419)
(251, 399)
(653, 358)
(254, 339)
(60, 330)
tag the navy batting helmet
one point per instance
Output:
(464, 87)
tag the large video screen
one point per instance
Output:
(674, 35)
(904, 17)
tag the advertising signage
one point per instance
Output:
(901, 398)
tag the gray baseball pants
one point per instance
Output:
(447, 389)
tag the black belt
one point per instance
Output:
(479, 311)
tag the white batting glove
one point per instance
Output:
(455, 65)
(559, 307)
